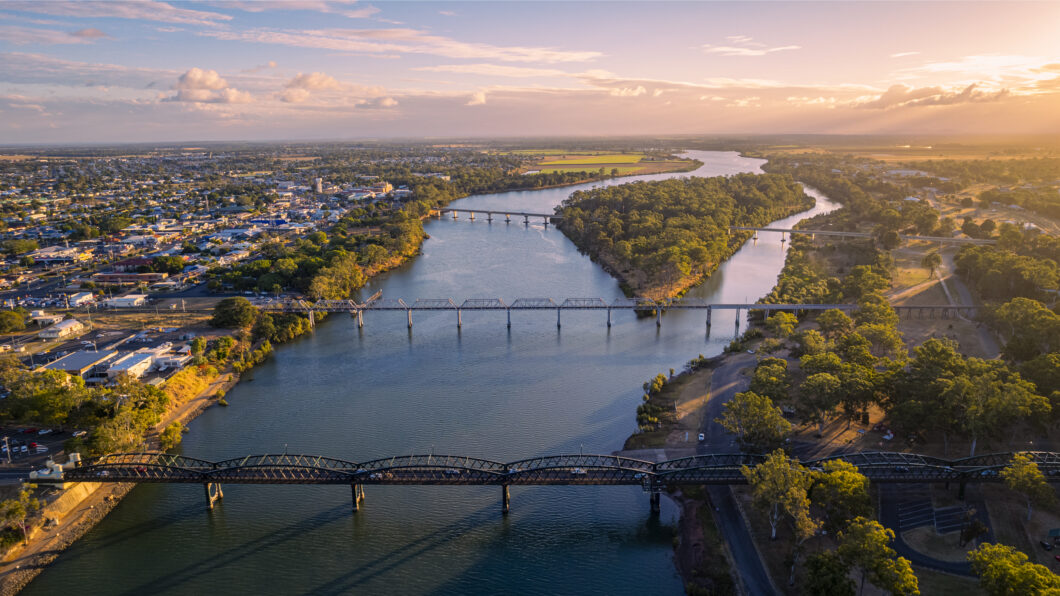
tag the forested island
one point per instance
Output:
(661, 238)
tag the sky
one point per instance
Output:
(88, 71)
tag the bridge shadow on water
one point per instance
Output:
(215, 561)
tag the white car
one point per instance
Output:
(702, 437)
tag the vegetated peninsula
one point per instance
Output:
(661, 238)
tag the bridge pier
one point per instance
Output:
(312, 319)
(546, 221)
(709, 312)
(737, 319)
(507, 218)
(489, 217)
(213, 494)
(360, 319)
(472, 216)
(454, 214)
(658, 317)
(358, 496)
(459, 319)
(609, 317)
(509, 311)
(526, 219)
(655, 504)
(506, 499)
(557, 318)
(409, 311)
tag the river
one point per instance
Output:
(481, 391)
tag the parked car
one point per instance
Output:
(1046, 545)
(44, 431)
(80, 433)
(702, 437)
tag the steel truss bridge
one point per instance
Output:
(841, 234)
(565, 470)
(377, 303)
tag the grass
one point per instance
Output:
(187, 384)
(1008, 517)
(622, 171)
(936, 583)
(609, 158)
(943, 547)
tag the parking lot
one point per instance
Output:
(29, 448)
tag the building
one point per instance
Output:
(134, 364)
(62, 329)
(83, 364)
(318, 185)
(81, 299)
(129, 278)
(127, 301)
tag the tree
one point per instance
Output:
(931, 262)
(834, 323)
(1004, 571)
(810, 342)
(198, 346)
(827, 575)
(865, 544)
(16, 511)
(886, 340)
(756, 422)
(12, 321)
(771, 379)
(234, 312)
(171, 436)
(841, 492)
(782, 323)
(1023, 476)
(819, 397)
(779, 486)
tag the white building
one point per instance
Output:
(127, 301)
(62, 329)
(318, 185)
(135, 364)
(81, 299)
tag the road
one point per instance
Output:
(952, 284)
(725, 382)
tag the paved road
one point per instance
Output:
(725, 382)
(959, 294)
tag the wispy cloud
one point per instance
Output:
(28, 35)
(349, 9)
(904, 54)
(495, 70)
(142, 10)
(402, 41)
(478, 98)
(743, 45)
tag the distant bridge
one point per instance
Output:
(546, 217)
(940, 239)
(581, 470)
(378, 303)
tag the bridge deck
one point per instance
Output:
(841, 233)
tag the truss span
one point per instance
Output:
(582, 469)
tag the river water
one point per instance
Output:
(480, 391)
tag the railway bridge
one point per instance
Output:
(842, 234)
(546, 217)
(562, 470)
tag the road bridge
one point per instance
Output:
(554, 470)
(546, 217)
(839, 233)
(641, 305)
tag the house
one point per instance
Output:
(62, 329)
(42, 318)
(127, 301)
(83, 364)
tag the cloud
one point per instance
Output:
(402, 41)
(340, 7)
(206, 86)
(141, 10)
(744, 45)
(495, 70)
(628, 91)
(314, 81)
(447, 13)
(260, 67)
(380, 103)
(478, 98)
(904, 54)
(90, 33)
(27, 35)
(900, 96)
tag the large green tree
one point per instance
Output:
(234, 312)
(1005, 571)
(865, 544)
(1023, 476)
(757, 423)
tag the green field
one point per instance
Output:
(622, 171)
(596, 159)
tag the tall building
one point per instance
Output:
(318, 185)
